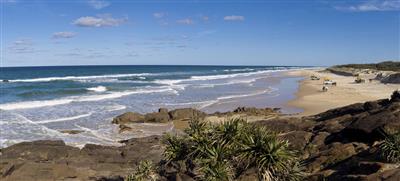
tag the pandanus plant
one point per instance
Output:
(390, 148)
(223, 151)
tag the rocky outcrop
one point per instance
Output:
(343, 145)
(186, 114)
(339, 144)
(391, 79)
(53, 160)
(129, 117)
(162, 116)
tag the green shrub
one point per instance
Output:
(223, 151)
(390, 148)
(176, 148)
(270, 155)
(144, 172)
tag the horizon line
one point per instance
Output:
(88, 65)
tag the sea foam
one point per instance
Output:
(97, 89)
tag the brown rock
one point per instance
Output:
(123, 128)
(186, 114)
(287, 124)
(297, 139)
(157, 117)
(389, 175)
(53, 160)
(335, 154)
(163, 110)
(128, 117)
(253, 111)
(71, 131)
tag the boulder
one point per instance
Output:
(186, 114)
(297, 139)
(286, 124)
(253, 111)
(335, 154)
(157, 117)
(388, 175)
(395, 96)
(43, 150)
(128, 117)
(333, 113)
(392, 79)
(370, 128)
(163, 110)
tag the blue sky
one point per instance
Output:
(270, 32)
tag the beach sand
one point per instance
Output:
(313, 100)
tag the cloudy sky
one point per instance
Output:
(202, 32)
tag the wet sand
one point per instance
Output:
(283, 88)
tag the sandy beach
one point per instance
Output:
(313, 100)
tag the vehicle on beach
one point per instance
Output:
(359, 80)
(329, 81)
(313, 77)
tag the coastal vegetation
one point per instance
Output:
(144, 172)
(382, 66)
(224, 151)
(390, 148)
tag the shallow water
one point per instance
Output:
(37, 102)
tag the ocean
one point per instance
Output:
(38, 102)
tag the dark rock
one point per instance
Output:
(287, 124)
(335, 124)
(254, 111)
(111, 178)
(371, 105)
(389, 175)
(297, 139)
(39, 150)
(371, 128)
(395, 96)
(71, 131)
(333, 113)
(392, 79)
(53, 160)
(163, 110)
(128, 117)
(334, 155)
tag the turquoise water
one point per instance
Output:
(38, 102)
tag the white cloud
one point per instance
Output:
(63, 34)
(186, 21)
(373, 5)
(98, 4)
(159, 15)
(22, 46)
(234, 18)
(99, 21)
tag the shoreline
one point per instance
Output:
(312, 100)
(295, 95)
